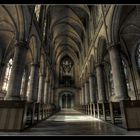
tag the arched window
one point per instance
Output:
(66, 71)
(66, 65)
(7, 75)
(138, 57)
(37, 11)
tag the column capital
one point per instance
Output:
(23, 44)
(113, 45)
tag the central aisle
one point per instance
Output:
(70, 115)
(72, 122)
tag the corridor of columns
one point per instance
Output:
(70, 69)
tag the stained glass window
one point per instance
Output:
(66, 71)
(66, 65)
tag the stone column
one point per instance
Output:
(100, 83)
(2, 74)
(49, 90)
(86, 96)
(91, 88)
(80, 95)
(86, 93)
(52, 95)
(2, 65)
(83, 99)
(25, 86)
(41, 88)
(120, 87)
(91, 84)
(33, 85)
(14, 87)
(45, 92)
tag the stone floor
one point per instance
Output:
(71, 122)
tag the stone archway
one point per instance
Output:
(66, 100)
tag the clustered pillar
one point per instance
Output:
(25, 86)
(45, 91)
(100, 83)
(41, 88)
(33, 86)
(91, 91)
(119, 81)
(88, 97)
(83, 93)
(14, 87)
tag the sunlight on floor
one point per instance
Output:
(72, 116)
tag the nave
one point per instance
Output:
(82, 57)
(69, 122)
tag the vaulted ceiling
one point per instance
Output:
(67, 28)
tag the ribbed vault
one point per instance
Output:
(67, 30)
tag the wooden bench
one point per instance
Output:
(130, 114)
(30, 113)
(115, 112)
(95, 110)
(104, 110)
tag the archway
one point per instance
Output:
(66, 100)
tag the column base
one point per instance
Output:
(9, 112)
(12, 98)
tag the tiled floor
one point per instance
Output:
(71, 122)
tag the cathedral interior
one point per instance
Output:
(69, 69)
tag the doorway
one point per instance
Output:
(66, 100)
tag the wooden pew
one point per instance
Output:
(103, 109)
(130, 114)
(106, 109)
(95, 110)
(30, 113)
(115, 111)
